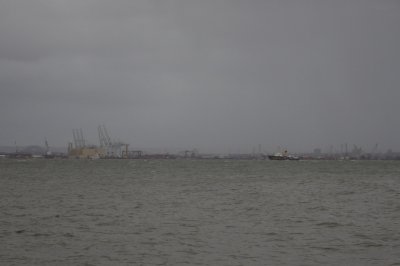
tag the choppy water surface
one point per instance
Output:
(200, 212)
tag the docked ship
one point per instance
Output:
(282, 157)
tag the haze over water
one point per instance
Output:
(216, 76)
(199, 212)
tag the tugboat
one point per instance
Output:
(282, 157)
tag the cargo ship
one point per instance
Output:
(282, 157)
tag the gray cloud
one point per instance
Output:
(212, 75)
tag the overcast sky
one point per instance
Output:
(219, 76)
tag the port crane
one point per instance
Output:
(112, 148)
(79, 140)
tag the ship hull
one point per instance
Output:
(277, 157)
(282, 158)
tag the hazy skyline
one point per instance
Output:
(218, 76)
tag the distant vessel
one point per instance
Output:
(281, 157)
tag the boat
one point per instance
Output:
(282, 157)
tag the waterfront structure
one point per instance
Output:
(86, 152)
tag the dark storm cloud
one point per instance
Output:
(212, 75)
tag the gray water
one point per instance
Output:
(199, 212)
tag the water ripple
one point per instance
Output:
(193, 212)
